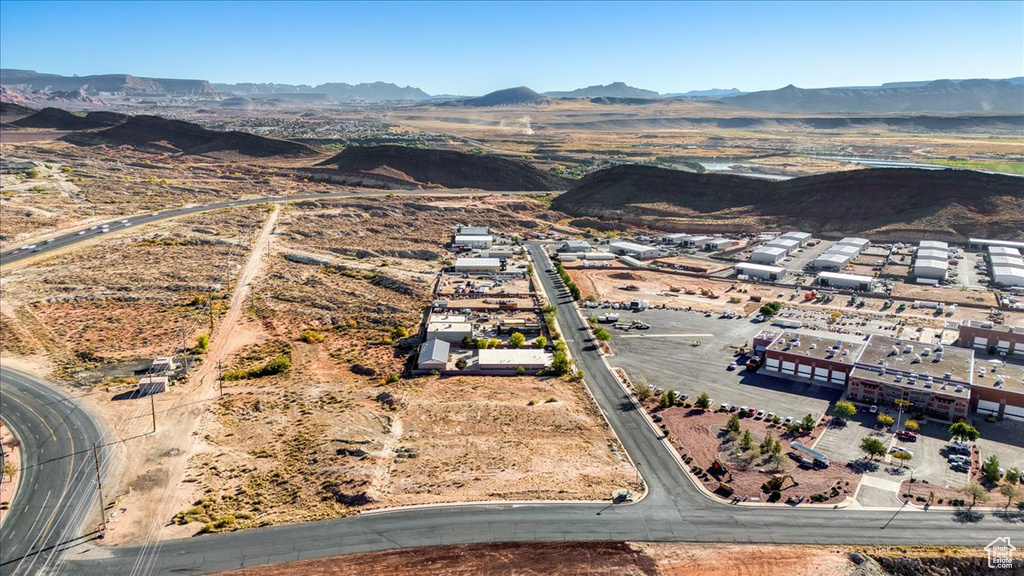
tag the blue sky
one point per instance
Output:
(477, 47)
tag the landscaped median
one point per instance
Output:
(11, 468)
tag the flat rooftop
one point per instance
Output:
(921, 359)
(1011, 370)
(760, 267)
(841, 276)
(821, 348)
(770, 250)
(993, 327)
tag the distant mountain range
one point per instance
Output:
(939, 96)
(335, 90)
(32, 81)
(973, 96)
(613, 90)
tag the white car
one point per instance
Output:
(124, 221)
(873, 409)
(48, 240)
(899, 449)
(760, 414)
(788, 420)
(82, 232)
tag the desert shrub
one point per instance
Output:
(311, 337)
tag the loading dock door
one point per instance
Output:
(980, 342)
(788, 367)
(821, 374)
(988, 407)
(838, 377)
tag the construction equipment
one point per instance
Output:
(718, 469)
(777, 482)
(674, 289)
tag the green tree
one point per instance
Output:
(844, 410)
(461, 364)
(777, 457)
(520, 371)
(873, 447)
(560, 364)
(747, 440)
(516, 340)
(885, 420)
(540, 342)
(767, 443)
(963, 431)
(592, 319)
(903, 457)
(703, 401)
(1012, 476)
(1011, 491)
(807, 424)
(734, 423)
(991, 469)
(493, 343)
(399, 332)
(911, 425)
(643, 390)
(32, 173)
(602, 334)
(976, 491)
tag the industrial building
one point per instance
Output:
(802, 237)
(860, 244)
(638, 251)
(575, 246)
(790, 245)
(474, 230)
(981, 244)
(930, 268)
(512, 358)
(477, 265)
(718, 244)
(760, 271)
(936, 380)
(693, 241)
(933, 245)
(943, 382)
(674, 238)
(845, 250)
(1001, 338)
(932, 254)
(450, 329)
(152, 385)
(1003, 251)
(850, 281)
(1008, 261)
(1008, 276)
(163, 365)
(831, 261)
(499, 253)
(472, 242)
(433, 355)
(768, 255)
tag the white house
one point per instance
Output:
(433, 355)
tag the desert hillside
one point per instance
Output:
(880, 202)
(447, 168)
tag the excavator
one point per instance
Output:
(777, 482)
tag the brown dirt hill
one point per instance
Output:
(10, 111)
(158, 134)
(447, 168)
(519, 96)
(57, 119)
(881, 203)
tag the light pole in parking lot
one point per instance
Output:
(899, 416)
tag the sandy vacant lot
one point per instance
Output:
(607, 558)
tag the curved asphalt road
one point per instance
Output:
(674, 509)
(57, 470)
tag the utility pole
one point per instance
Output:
(99, 487)
(152, 409)
(220, 377)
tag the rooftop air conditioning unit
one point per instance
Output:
(812, 346)
(895, 351)
(926, 352)
(908, 349)
(917, 359)
(846, 352)
(947, 375)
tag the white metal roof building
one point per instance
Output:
(512, 358)
(575, 246)
(639, 251)
(845, 249)
(858, 243)
(802, 237)
(715, 244)
(930, 268)
(788, 244)
(854, 281)
(693, 241)
(473, 241)
(474, 230)
(760, 271)
(1003, 251)
(831, 261)
(1007, 261)
(1008, 276)
(674, 238)
(433, 355)
(768, 255)
(935, 244)
(451, 332)
(932, 254)
(477, 264)
(149, 385)
(980, 243)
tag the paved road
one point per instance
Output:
(674, 510)
(56, 494)
(75, 237)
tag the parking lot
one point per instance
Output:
(665, 356)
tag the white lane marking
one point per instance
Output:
(666, 335)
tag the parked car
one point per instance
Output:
(731, 366)
(788, 420)
(900, 449)
(959, 448)
(908, 435)
(744, 410)
(961, 467)
(873, 409)
(724, 407)
(770, 416)
(760, 414)
(733, 408)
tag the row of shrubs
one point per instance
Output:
(573, 288)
